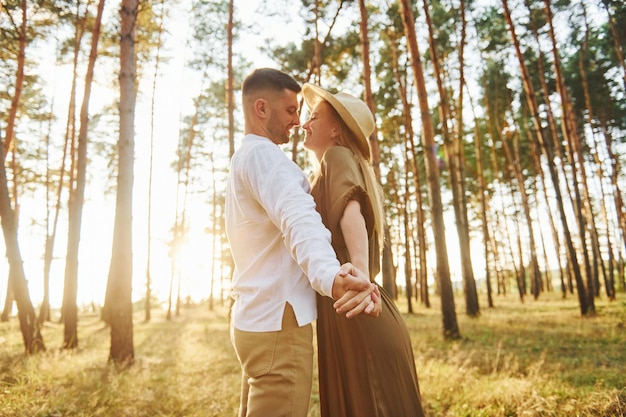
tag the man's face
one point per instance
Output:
(283, 116)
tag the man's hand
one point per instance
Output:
(354, 293)
(353, 303)
(349, 278)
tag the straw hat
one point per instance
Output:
(353, 111)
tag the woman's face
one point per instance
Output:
(321, 130)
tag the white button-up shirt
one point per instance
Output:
(280, 247)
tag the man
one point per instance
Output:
(282, 255)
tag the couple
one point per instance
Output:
(283, 257)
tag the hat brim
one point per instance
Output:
(313, 94)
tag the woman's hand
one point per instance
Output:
(353, 303)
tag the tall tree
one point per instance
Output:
(455, 153)
(17, 284)
(535, 22)
(483, 200)
(118, 307)
(30, 327)
(19, 79)
(472, 307)
(387, 255)
(413, 166)
(230, 94)
(70, 127)
(450, 325)
(77, 198)
(548, 148)
(148, 298)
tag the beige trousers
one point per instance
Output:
(277, 369)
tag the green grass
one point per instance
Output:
(539, 358)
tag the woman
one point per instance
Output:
(366, 364)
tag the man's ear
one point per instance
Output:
(261, 108)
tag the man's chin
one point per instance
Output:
(280, 140)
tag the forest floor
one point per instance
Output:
(537, 358)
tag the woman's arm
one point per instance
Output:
(354, 231)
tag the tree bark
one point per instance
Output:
(609, 278)
(582, 207)
(118, 304)
(30, 327)
(387, 266)
(422, 273)
(230, 93)
(450, 325)
(148, 297)
(17, 284)
(484, 205)
(548, 149)
(19, 81)
(472, 307)
(77, 198)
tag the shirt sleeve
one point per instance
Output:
(344, 182)
(282, 189)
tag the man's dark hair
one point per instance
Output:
(269, 79)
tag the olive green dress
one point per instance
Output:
(366, 364)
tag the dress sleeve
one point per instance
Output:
(344, 182)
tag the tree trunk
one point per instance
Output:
(472, 307)
(515, 168)
(482, 197)
(387, 253)
(548, 149)
(44, 309)
(77, 197)
(422, 275)
(230, 94)
(555, 234)
(450, 325)
(148, 297)
(8, 304)
(408, 268)
(19, 82)
(67, 149)
(609, 278)
(493, 128)
(582, 207)
(17, 284)
(454, 153)
(553, 131)
(10, 128)
(118, 304)
(214, 220)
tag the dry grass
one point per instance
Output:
(539, 358)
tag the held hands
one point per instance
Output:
(355, 294)
(365, 301)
